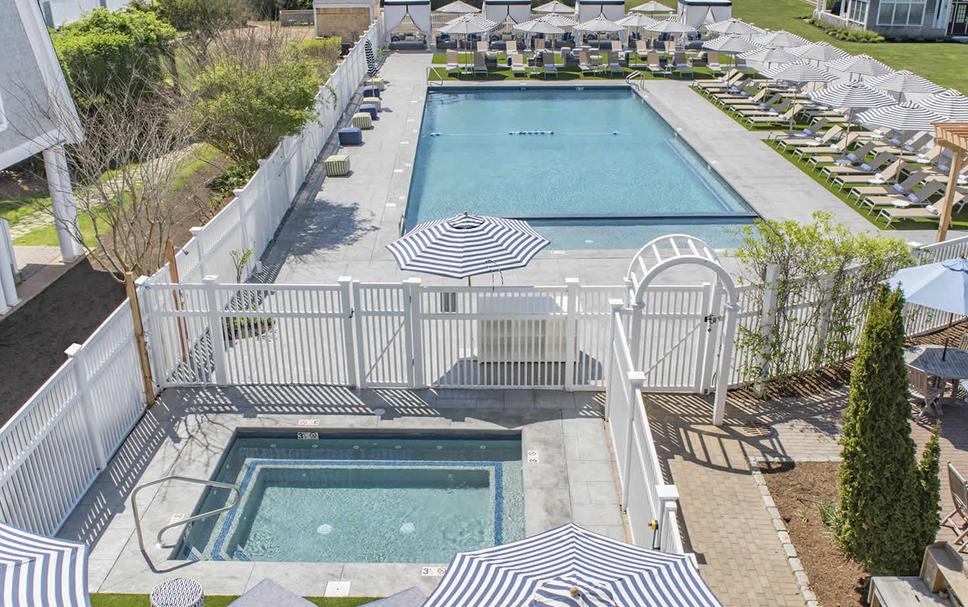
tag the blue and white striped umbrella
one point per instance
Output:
(467, 245)
(552, 567)
(38, 571)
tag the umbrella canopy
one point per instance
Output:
(467, 245)
(904, 83)
(939, 286)
(538, 26)
(730, 44)
(851, 95)
(733, 27)
(769, 55)
(555, 8)
(457, 7)
(604, 571)
(599, 25)
(862, 65)
(907, 116)
(559, 20)
(671, 26)
(636, 20)
(652, 8)
(950, 103)
(800, 72)
(468, 24)
(821, 52)
(779, 39)
(38, 571)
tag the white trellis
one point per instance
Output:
(695, 345)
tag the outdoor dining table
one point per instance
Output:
(950, 366)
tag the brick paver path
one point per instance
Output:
(724, 519)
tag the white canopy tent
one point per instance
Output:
(613, 10)
(704, 12)
(499, 11)
(395, 11)
(458, 7)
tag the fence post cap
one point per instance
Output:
(140, 280)
(637, 378)
(572, 281)
(210, 278)
(914, 244)
(667, 492)
(412, 281)
(196, 230)
(615, 304)
(238, 191)
(343, 279)
(73, 350)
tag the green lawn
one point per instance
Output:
(945, 63)
(141, 600)
(570, 73)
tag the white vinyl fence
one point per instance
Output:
(54, 447)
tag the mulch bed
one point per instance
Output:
(799, 490)
(33, 339)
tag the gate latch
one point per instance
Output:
(710, 319)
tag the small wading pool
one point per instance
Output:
(587, 167)
(376, 498)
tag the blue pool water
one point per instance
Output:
(363, 498)
(596, 168)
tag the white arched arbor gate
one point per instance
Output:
(681, 337)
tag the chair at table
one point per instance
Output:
(957, 519)
(922, 388)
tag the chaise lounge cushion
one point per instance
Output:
(268, 593)
(411, 597)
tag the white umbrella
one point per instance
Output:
(457, 7)
(800, 72)
(907, 116)
(950, 103)
(769, 56)
(652, 8)
(635, 20)
(780, 39)
(671, 26)
(904, 83)
(860, 65)
(733, 27)
(821, 52)
(42, 571)
(555, 8)
(731, 45)
(538, 26)
(559, 21)
(468, 24)
(599, 25)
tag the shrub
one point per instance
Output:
(322, 53)
(888, 502)
(845, 34)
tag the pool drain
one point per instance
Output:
(407, 528)
(324, 529)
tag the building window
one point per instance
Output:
(855, 10)
(901, 12)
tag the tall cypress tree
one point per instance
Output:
(883, 490)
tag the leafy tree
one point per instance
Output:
(201, 20)
(108, 52)
(245, 107)
(888, 504)
(323, 53)
(928, 467)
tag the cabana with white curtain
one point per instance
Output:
(590, 9)
(500, 11)
(703, 12)
(395, 12)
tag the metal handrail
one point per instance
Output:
(436, 72)
(633, 76)
(189, 520)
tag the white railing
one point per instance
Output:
(379, 334)
(649, 502)
(54, 447)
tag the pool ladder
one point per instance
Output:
(187, 521)
(634, 77)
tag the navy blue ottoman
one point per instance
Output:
(351, 135)
(370, 109)
(371, 91)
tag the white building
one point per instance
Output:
(36, 116)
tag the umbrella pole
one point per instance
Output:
(951, 320)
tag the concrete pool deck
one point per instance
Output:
(188, 430)
(341, 226)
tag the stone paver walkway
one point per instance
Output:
(724, 519)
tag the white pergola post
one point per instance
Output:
(64, 207)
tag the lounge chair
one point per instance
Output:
(915, 144)
(548, 65)
(920, 198)
(510, 47)
(480, 65)
(872, 177)
(670, 46)
(618, 49)
(812, 131)
(726, 82)
(614, 67)
(539, 45)
(771, 109)
(712, 62)
(852, 162)
(483, 46)
(655, 65)
(518, 66)
(773, 120)
(840, 146)
(453, 63)
(762, 105)
(957, 519)
(682, 64)
(586, 66)
(889, 215)
(641, 52)
(901, 188)
(821, 139)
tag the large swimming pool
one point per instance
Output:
(588, 167)
(376, 498)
